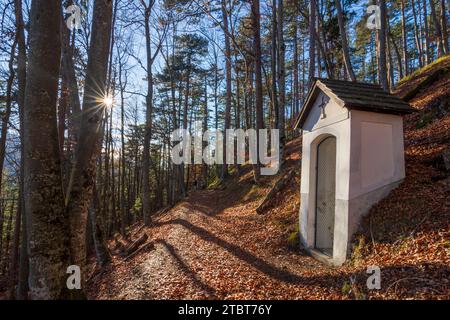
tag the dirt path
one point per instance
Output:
(214, 245)
(204, 251)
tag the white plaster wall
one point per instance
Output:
(369, 164)
(334, 113)
(336, 123)
(377, 151)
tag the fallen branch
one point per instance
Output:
(275, 189)
(134, 246)
(144, 248)
(120, 243)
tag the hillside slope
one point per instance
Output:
(214, 245)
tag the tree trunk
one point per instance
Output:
(227, 115)
(345, 49)
(8, 238)
(273, 66)
(73, 98)
(296, 89)
(146, 206)
(7, 112)
(312, 41)
(382, 63)
(444, 27)
(83, 175)
(14, 257)
(416, 34)
(404, 39)
(46, 220)
(123, 217)
(397, 53)
(281, 79)
(427, 33)
(256, 26)
(437, 29)
(22, 291)
(101, 248)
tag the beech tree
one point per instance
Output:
(46, 219)
(80, 190)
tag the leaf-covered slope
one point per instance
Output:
(214, 245)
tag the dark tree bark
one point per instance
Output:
(101, 248)
(8, 236)
(416, 33)
(437, 29)
(273, 65)
(281, 78)
(46, 220)
(123, 216)
(382, 43)
(405, 39)
(83, 175)
(345, 48)
(427, 33)
(444, 27)
(296, 90)
(146, 206)
(256, 26)
(72, 94)
(225, 17)
(312, 41)
(14, 256)
(22, 290)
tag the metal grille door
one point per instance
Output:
(325, 195)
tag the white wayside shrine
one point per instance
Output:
(352, 157)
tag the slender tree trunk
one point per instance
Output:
(101, 249)
(427, 33)
(382, 63)
(296, 88)
(83, 175)
(22, 291)
(7, 113)
(444, 27)
(312, 40)
(281, 78)
(404, 39)
(416, 33)
(205, 128)
(73, 98)
(225, 17)
(345, 48)
(398, 55)
(437, 27)
(123, 216)
(273, 65)
(14, 257)
(8, 237)
(146, 206)
(256, 26)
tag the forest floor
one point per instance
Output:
(214, 245)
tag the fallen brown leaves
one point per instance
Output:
(214, 245)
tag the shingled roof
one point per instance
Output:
(354, 95)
